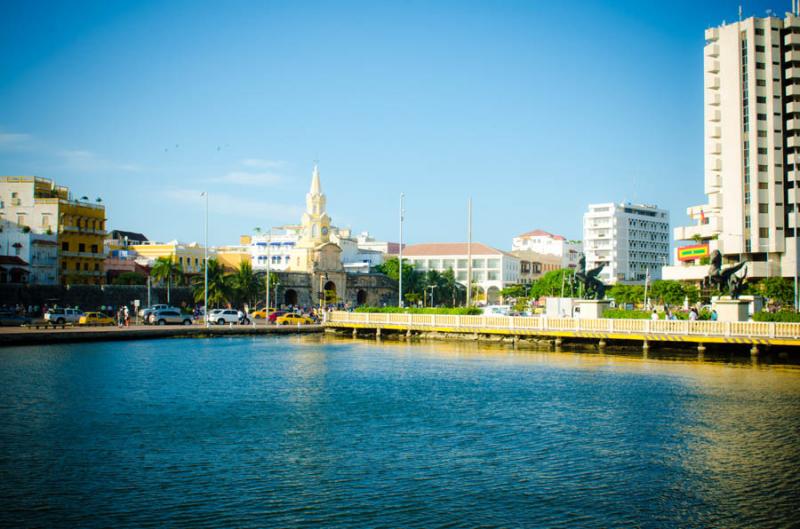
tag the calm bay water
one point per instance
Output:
(308, 432)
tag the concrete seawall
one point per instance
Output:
(29, 337)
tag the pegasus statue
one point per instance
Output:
(727, 278)
(593, 288)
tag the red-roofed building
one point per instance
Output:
(492, 269)
(548, 244)
(13, 269)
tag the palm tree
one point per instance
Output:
(218, 285)
(245, 283)
(166, 268)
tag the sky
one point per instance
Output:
(532, 109)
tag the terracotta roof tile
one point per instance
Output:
(449, 248)
(542, 233)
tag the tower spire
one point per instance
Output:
(316, 188)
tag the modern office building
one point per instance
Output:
(631, 240)
(752, 151)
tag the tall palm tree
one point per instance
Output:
(218, 285)
(166, 269)
(245, 283)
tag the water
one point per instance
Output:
(308, 432)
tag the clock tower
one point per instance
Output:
(316, 222)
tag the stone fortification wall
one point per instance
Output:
(89, 297)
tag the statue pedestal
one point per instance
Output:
(590, 309)
(732, 310)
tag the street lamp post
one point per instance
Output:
(269, 270)
(432, 287)
(205, 268)
(400, 258)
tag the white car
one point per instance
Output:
(62, 316)
(223, 316)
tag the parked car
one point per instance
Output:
(12, 319)
(223, 316)
(293, 319)
(275, 315)
(62, 316)
(146, 312)
(95, 318)
(170, 316)
(260, 314)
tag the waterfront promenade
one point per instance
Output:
(699, 333)
(47, 335)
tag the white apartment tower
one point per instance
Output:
(752, 145)
(632, 241)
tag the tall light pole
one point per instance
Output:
(269, 269)
(400, 259)
(205, 267)
(432, 287)
(469, 252)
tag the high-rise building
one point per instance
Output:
(752, 150)
(630, 240)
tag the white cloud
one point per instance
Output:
(230, 205)
(88, 161)
(14, 138)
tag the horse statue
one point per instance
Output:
(593, 288)
(727, 277)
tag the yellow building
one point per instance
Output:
(41, 206)
(231, 257)
(190, 257)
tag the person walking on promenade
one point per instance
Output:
(654, 315)
(119, 317)
(693, 314)
(127, 316)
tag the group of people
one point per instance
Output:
(694, 315)
(123, 316)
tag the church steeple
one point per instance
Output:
(316, 189)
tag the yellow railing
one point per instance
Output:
(545, 324)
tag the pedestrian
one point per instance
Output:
(119, 317)
(714, 315)
(693, 314)
(654, 315)
(127, 316)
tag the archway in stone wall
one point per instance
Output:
(330, 292)
(290, 297)
(361, 297)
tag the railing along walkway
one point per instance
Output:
(578, 327)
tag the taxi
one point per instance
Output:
(95, 318)
(293, 319)
(260, 314)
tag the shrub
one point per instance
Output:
(621, 314)
(458, 311)
(782, 316)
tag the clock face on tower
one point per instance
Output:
(324, 230)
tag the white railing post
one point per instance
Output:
(577, 324)
(772, 329)
(727, 328)
(511, 322)
(647, 326)
(543, 323)
(610, 325)
(367, 313)
(458, 321)
(433, 319)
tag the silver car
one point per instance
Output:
(167, 316)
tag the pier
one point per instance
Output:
(643, 332)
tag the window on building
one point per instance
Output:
(761, 99)
(493, 276)
(759, 47)
(759, 31)
(78, 267)
(97, 267)
(747, 221)
(493, 263)
(462, 263)
(762, 117)
(63, 265)
(434, 264)
(763, 233)
(81, 247)
(478, 263)
(448, 264)
(763, 185)
(64, 246)
(759, 66)
(762, 150)
(763, 168)
(763, 208)
(94, 248)
(761, 82)
(461, 275)
(85, 267)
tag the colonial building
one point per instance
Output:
(492, 269)
(40, 207)
(544, 243)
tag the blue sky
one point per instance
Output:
(533, 109)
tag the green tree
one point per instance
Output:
(244, 284)
(624, 294)
(667, 292)
(130, 278)
(778, 290)
(550, 284)
(412, 280)
(165, 269)
(452, 291)
(218, 285)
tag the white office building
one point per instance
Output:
(632, 241)
(492, 269)
(275, 246)
(752, 150)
